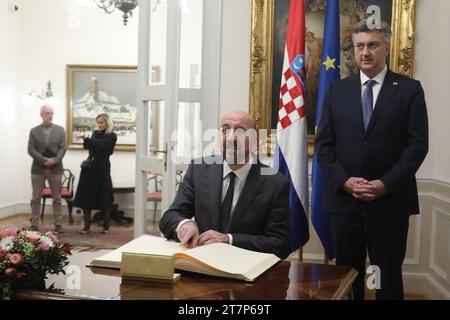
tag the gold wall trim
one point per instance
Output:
(261, 62)
(403, 31)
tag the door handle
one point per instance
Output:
(164, 152)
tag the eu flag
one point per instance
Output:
(329, 72)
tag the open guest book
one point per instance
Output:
(217, 259)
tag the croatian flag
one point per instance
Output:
(292, 140)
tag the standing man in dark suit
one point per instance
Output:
(47, 146)
(371, 140)
(231, 197)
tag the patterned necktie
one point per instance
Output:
(227, 204)
(367, 102)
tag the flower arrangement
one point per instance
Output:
(26, 257)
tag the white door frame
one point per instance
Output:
(171, 94)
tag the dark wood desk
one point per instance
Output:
(285, 281)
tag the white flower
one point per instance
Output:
(48, 241)
(6, 243)
(36, 233)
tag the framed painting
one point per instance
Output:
(269, 24)
(92, 90)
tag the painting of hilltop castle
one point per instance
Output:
(92, 90)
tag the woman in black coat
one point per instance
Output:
(94, 191)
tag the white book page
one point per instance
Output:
(233, 260)
(146, 244)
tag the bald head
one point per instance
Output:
(240, 117)
(238, 134)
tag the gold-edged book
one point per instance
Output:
(217, 259)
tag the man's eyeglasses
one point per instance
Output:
(239, 132)
(372, 45)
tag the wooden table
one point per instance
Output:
(122, 189)
(287, 280)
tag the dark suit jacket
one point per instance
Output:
(37, 146)
(260, 220)
(391, 149)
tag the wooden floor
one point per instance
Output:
(24, 219)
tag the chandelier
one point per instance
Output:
(126, 6)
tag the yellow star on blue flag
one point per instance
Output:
(329, 63)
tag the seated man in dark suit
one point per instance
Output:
(232, 197)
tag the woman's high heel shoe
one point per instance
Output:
(85, 231)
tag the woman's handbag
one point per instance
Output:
(87, 164)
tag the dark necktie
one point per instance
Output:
(367, 102)
(227, 204)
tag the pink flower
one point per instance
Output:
(9, 272)
(16, 259)
(11, 231)
(2, 252)
(52, 237)
(43, 246)
(33, 236)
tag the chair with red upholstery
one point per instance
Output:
(67, 181)
(156, 195)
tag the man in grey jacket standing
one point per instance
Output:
(47, 146)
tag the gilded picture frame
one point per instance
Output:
(95, 89)
(262, 59)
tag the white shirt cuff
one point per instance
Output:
(181, 223)
(231, 238)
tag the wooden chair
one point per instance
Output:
(67, 181)
(156, 196)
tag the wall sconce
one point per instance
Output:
(45, 94)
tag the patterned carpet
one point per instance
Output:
(117, 236)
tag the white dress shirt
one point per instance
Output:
(376, 88)
(241, 177)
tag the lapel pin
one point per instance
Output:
(395, 83)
